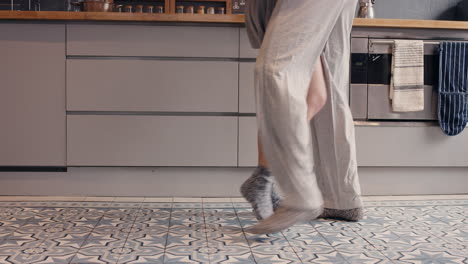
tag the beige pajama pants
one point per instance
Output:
(314, 162)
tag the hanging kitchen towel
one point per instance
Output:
(453, 91)
(407, 83)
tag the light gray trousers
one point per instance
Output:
(314, 162)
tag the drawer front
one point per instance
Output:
(246, 87)
(139, 40)
(410, 146)
(149, 85)
(246, 50)
(380, 105)
(151, 141)
(248, 152)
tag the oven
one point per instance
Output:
(371, 61)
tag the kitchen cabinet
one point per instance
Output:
(32, 94)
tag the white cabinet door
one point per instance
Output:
(32, 94)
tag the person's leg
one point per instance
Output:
(333, 129)
(295, 38)
(259, 188)
(257, 185)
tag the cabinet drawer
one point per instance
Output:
(246, 87)
(140, 40)
(380, 105)
(248, 151)
(246, 50)
(149, 85)
(151, 141)
(410, 146)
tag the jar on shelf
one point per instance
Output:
(118, 8)
(210, 10)
(128, 8)
(201, 10)
(149, 9)
(159, 9)
(179, 9)
(220, 10)
(190, 9)
(139, 9)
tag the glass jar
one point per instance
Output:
(190, 10)
(220, 10)
(149, 9)
(179, 9)
(128, 8)
(210, 10)
(159, 9)
(139, 9)
(201, 10)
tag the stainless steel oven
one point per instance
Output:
(371, 61)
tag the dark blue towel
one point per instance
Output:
(453, 87)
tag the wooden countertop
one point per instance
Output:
(232, 19)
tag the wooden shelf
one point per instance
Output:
(113, 16)
(228, 18)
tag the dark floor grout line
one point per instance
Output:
(337, 252)
(168, 229)
(372, 245)
(204, 224)
(245, 235)
(289, 243)
(130, 230)
(87, 236)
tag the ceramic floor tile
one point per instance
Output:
(129, 199)
(158, 200)
(156, 205)
(211, 231)
(227, 242)
(99, 199)
(238, 200)
(270, 248)
(218, 205)
(187, 200)
(189, 247)
(135, 252)
(38, 252)
(216, 200)
(153, 214)
(187, 205)
(108, 252)
(427, 256)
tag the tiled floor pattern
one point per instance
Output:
(211, 231)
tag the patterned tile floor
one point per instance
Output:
(178, 230)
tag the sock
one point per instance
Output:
(257, 190)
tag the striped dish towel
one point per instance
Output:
(453, 87)
(407, 83)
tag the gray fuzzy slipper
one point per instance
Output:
(258, 190)
(352, 215)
